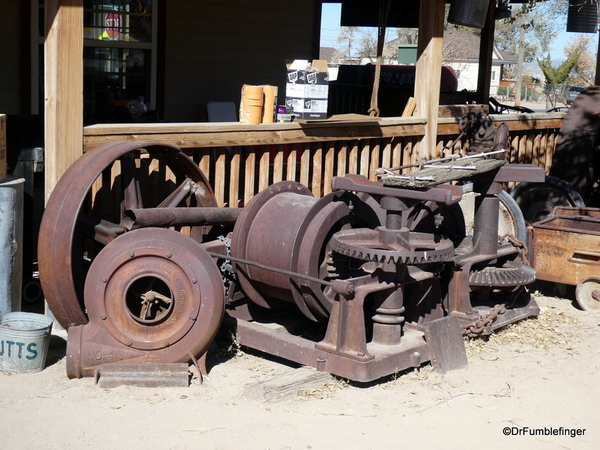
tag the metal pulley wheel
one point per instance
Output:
(157, 291)
(587, 294)
(86, 211)
(285, 227)
(537, 200)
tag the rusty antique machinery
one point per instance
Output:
(139, 265)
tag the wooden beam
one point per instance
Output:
(429, 71)
(63, 67)
(190, 135)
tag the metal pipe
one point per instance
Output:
(342, 287)
(193, 216)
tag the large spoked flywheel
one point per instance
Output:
(86, 211)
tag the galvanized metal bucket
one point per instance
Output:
(24, 341)
(11, 243)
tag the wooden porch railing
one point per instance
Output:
(240, 160)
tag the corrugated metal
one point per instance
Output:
(214, 47)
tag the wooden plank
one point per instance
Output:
(364, 159)
(410, 107)
(529, 148)
(249, 176)
(550, 154)
(63, 84)
(278, 164)
(445, 172)
(543, 150)
(149, 375)
(375, 158)
(234, 178)
(292, 162)
(220, 176)
(386, 155)
(329, 164)
(225, 134)
(353, 158)
(263, 169)
(342, 160)
(205, 164)
(286, 385)
(317, 167)
(397, 153)
(305, 164)
(215, 134)
(535, 149)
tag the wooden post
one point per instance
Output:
(63, 50)
(429, 71)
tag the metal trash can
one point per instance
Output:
(11, 243)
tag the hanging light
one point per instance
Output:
(503, 10)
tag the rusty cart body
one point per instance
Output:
(565, 248)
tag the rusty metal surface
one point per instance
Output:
(299, 229)
(447, 194)
(381, 245)
(367, 267)
(144, 375)
(152, 295)
(566, 247)
(587, 294)
(60, 253)
(520, 172)
(168, 217)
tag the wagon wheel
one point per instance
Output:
(537, 200)
(510, 219)
(85, 211)
(587, 294)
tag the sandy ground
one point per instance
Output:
(541, 374)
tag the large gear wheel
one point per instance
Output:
(511, 274)
(407, 248)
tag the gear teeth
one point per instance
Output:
(502, 276)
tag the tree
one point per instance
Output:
(541, 25)
(556, 78)
(560, 74)
(584, 70)
(347, 36)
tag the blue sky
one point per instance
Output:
(331, 22)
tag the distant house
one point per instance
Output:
(334, 58)
(461, 52)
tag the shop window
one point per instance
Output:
(119, 59)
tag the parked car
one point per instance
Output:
(573, 92)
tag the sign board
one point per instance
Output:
(112, 25)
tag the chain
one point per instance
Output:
(226, 269)
(516, 243)
(476, 328)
